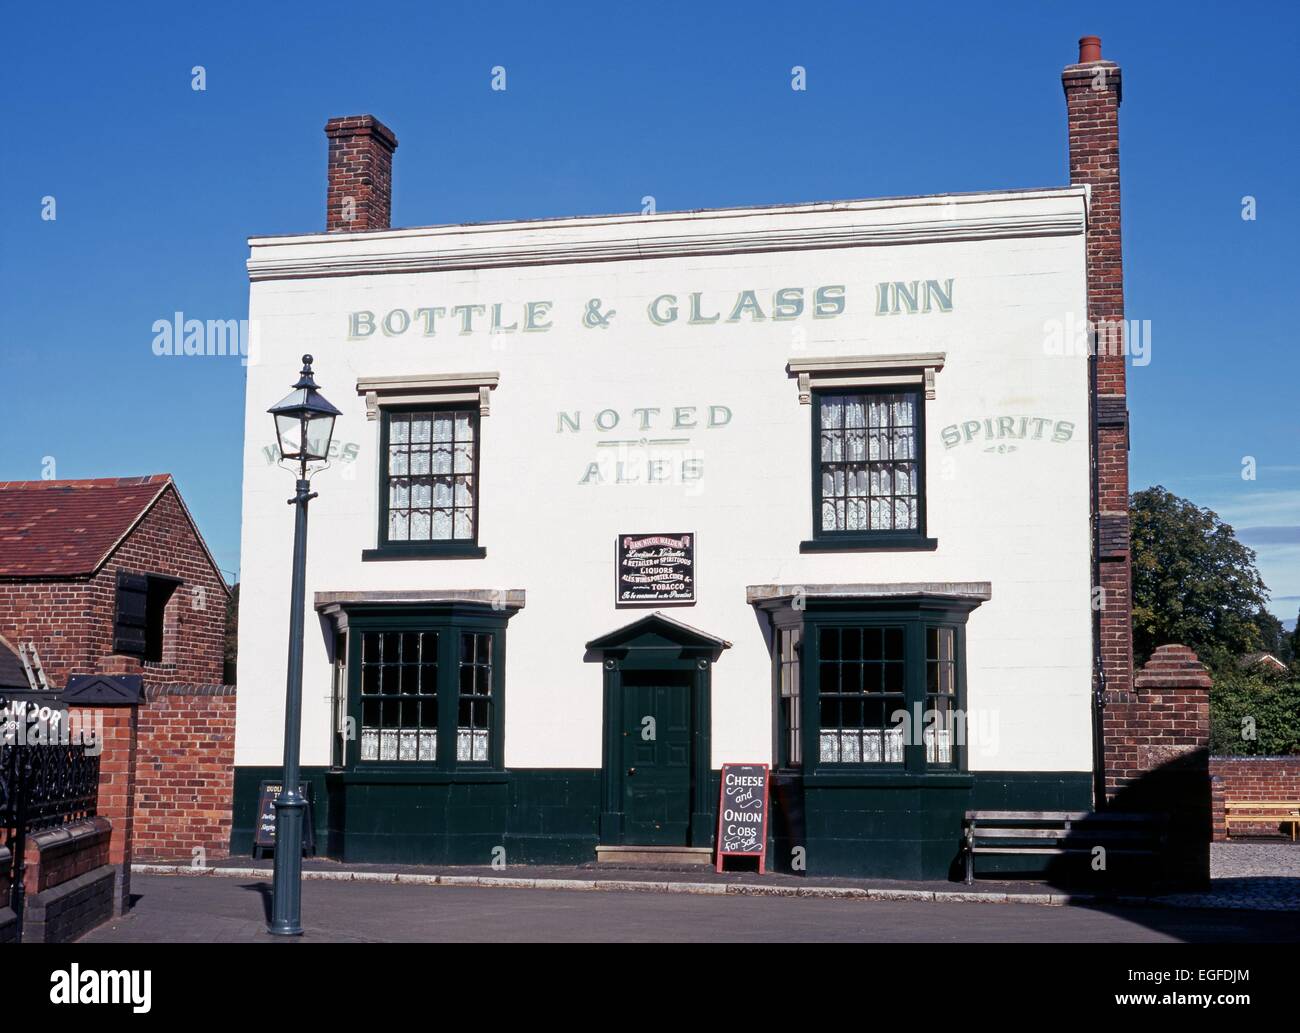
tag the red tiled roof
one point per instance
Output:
(68, 528)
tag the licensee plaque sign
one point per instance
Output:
(655, 569)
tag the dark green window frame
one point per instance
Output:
(862, 674)
(916, 620)
(860, 539)
(450, 548)
(480, 697)
(787, 688)
(943, 669)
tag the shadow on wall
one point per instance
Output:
(1180, 788)
(1140, 858)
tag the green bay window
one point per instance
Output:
(872, 682)
(424, 685)
(399, 696)
(861, 688)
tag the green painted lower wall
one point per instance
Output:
(248, 781)
(538, 815)
(871, 827)
(896, 829)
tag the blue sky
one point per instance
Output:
(157, 186)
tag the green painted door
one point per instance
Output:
(656, 758)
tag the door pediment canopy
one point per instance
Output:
(657, 631)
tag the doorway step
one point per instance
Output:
(655, 856)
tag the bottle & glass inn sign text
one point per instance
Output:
(693, 308)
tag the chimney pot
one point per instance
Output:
(1089, 49)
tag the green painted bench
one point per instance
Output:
(1060, 833)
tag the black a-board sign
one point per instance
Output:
(264, 832)
(654, 569)
(742, 813)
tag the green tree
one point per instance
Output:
(1193, 582)
(1255, 712)
(1274, 637)
(231, 653)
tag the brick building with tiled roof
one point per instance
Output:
(111, 576)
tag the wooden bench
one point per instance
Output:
(1060, 833)
(1261, 812)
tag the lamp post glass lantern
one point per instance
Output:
(304, 426)
(304, 421)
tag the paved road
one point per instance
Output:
(183, 909)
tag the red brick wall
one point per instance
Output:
(195, 619)
(360, 195)
(117, 732)
(59, 855)
(71, 621)
(1165, 717)
(57, 617)
(185, 772)
(1252, 778)
(1092, 97)
(1157, 755)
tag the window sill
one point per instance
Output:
(422, 776)
(871, 543)
(430, 551)
(889, 779)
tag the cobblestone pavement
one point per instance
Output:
(179, 909)
(1263, 874)
(1258, 859)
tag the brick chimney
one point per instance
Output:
(360, 195)
(1092, 97)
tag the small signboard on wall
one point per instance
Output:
(742, 813)
(264, 833)
(655, 570)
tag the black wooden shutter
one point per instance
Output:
(131, 616)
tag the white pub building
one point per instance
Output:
(615, 500)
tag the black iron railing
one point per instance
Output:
(42, 786)
(62, 785)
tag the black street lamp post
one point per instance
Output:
(304, 425)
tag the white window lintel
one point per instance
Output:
(865, 370)
(427, 387)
